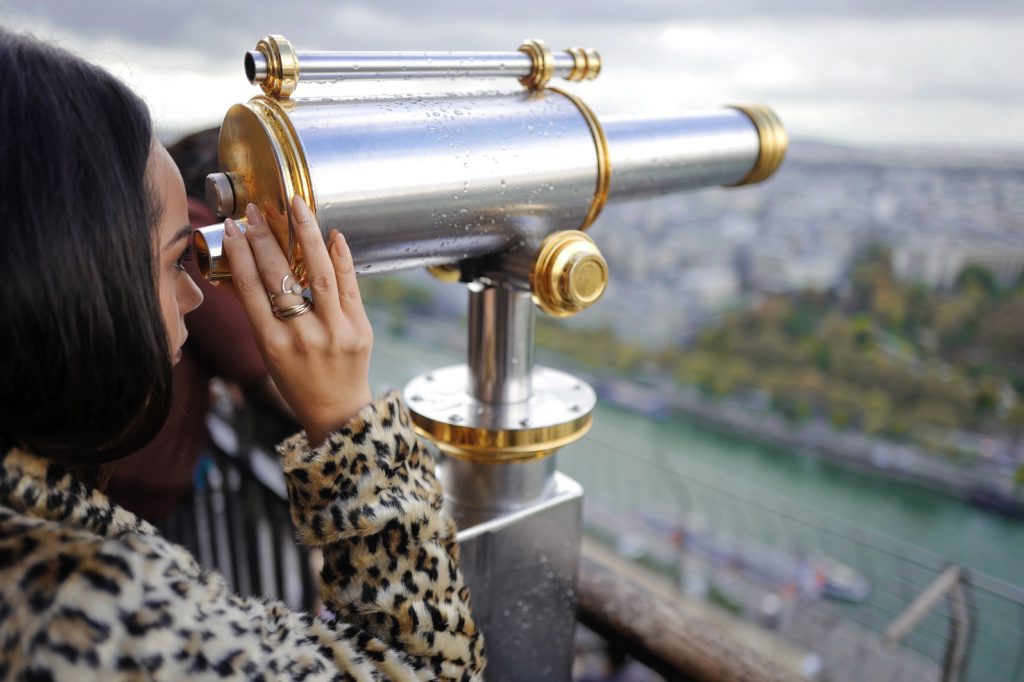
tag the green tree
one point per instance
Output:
(977, 277)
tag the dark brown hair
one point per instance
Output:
(86, 374)
(195, 155)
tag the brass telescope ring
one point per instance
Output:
(543, 64)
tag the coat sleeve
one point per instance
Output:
(140, 606)
(369, 499)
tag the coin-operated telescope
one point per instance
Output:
(495, 191)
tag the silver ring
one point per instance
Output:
(285, 289)
(288, 312)
(293, 289)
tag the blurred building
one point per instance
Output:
(937, 260)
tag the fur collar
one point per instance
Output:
(44, 489)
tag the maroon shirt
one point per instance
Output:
(154, 480)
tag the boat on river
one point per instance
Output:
(794, 572)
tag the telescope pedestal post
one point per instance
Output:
(497, 423)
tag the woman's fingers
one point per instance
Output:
(245, 276)
(320, 362)
(345, 273)
(270, 260)
(319, 270)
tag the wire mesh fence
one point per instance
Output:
(830, 586)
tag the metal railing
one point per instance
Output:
(237, 521)
(648, 511)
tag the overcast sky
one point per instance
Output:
(875, 72)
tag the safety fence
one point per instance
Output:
(867, 606)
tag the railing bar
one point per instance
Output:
(917, 629)
(1019, 665)
(907, 644)
(994, 586)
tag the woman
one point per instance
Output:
(93, 299)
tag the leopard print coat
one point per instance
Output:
(88, 591)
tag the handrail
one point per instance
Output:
(651, 627)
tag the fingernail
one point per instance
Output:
(230, 228)
(300, 208)
(252, 213)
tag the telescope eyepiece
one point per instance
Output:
(255, 63)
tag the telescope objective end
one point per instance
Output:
(773, 138)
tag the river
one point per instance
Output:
(628, 459)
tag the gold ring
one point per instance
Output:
(282, 66)
(543, 62)
(772, 139)
(604, 163)
(291, 311)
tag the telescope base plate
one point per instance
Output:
(443, 411)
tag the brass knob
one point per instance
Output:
(570, 274)
(220, 194)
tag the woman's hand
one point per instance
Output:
(320, 359)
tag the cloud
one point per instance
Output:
(869, 71)
(165, 23)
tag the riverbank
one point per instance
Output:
(991, 487)
(987, 484)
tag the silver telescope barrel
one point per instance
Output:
(422, 181)
(277, 67)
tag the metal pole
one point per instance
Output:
(338, 66)
(333, 66)
(960, 630)
(500, 369)
(501, 322)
